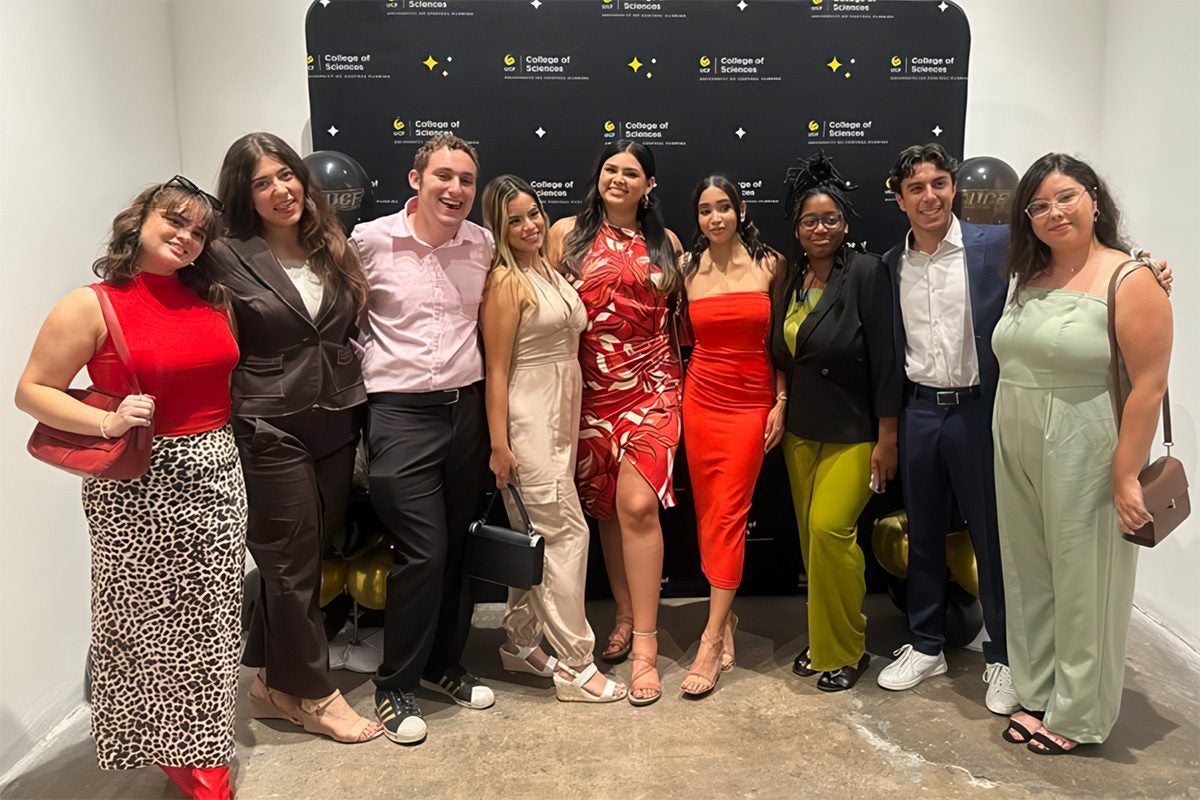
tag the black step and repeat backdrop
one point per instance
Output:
(742, 87)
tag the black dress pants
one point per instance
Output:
(298, 472)
(946, 454)
(428, 474)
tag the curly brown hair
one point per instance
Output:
(118, 265)
(321, 233)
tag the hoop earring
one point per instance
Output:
(1096, 214)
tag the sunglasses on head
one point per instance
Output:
(183, 183)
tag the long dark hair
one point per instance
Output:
(1027, 254)
(649, 216)
(320, 232)
(747, 231)
(118, 265)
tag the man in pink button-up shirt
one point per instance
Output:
(427, 430)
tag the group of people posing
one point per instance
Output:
(971, 359)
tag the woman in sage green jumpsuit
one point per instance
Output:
(1060, 463)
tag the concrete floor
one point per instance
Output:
(763, 734)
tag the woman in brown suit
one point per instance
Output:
(297, 289)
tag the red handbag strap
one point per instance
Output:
(1118, 389)
(115, 334)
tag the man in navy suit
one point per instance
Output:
(950, 290)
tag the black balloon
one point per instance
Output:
(985, 190)
(345, 184)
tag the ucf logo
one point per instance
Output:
(345, 199)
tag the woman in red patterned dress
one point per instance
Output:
(625, 266)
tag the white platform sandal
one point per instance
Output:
(574, 691)
(519, 662)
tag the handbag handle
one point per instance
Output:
(516, 496)
(1118, 390)
(116, 334)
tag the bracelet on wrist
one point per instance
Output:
(103, 421)
(781, 397)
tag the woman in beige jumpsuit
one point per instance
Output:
(531, 319)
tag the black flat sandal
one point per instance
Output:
(1020, 729)
(839, 680)
(1049, 747)
(802, 666)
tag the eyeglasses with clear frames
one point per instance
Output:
(1066, 201)
(809, 222)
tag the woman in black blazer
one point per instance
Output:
(297, 289)
(832, 335)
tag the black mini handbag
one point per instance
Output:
(501, 555)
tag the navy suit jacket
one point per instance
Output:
(987, 250)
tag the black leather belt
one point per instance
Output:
(946, 397)
(444, 397)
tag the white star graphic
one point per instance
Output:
(740, 132)
(325, 3)
(863, 243)
(540, 132)
(942, 6)
(536, 4)
(332, 131)
(742, 5)
(937, 130)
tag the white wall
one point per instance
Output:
(1149, 153)
(89, 118)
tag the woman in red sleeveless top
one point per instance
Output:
(733, 402)
(624, 264)
(167, 547)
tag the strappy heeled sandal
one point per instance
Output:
(619, 642)
(317, 717)
(649, 666)
(706, 667)
(728, 659)
(519, 662)
(575, 691)
(267, 704)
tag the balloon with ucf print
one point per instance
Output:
(346, 185)
(985, 190)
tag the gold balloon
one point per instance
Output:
(889, 542)
(960, 557)
(333, 579)
(366, 580)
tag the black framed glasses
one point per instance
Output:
(809, 222)
(183, 183)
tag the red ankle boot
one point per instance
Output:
(212, 783)
(181, 777)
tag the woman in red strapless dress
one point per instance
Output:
(733, 403)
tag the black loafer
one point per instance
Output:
(839, 680)
(802, 666)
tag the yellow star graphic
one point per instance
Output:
(834, 65)
(634, 65)
(430, 62)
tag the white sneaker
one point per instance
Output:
(910, 668)
(1001, 698)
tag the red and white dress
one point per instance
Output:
(631, 374)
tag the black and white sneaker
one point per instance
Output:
(464, 688)
(401, 716)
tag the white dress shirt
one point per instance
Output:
(935, 306)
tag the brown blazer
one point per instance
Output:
(289, 361)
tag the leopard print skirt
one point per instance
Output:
(168, 554)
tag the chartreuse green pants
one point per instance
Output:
(830, 488)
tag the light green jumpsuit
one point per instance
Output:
(1068, 574)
